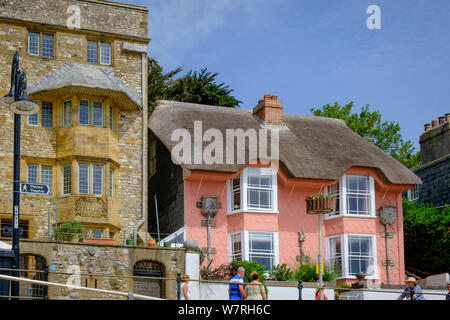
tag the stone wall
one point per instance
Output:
(436, 182)
(118, 261)
(102, 16)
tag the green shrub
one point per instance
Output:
(306, 271)
(250, 266)
(426, 236)
(281, 273)
(344, 285)
(68, 230)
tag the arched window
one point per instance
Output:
(34, 266)
(148, 287)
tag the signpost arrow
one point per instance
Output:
(35, 188)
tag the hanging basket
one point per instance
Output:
(319, 205)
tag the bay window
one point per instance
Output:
(353, 253)
(253, 190)
(258, 246)
(355, 196)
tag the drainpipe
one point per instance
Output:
(144, 80)
(388, 257)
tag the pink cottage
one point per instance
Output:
(258, 211)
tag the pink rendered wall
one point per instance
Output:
(292, 218)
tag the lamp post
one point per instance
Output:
(19, 103)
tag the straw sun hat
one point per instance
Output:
(411, 279)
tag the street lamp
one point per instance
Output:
(18, 102)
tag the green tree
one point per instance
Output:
(369, 125)
(201, 87)
(158, 82)
(195, 87)
(426, 236)
(68, 230)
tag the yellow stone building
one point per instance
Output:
(86, 64)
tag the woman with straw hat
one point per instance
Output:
(413, 291)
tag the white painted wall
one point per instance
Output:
(218, 291)
(192, 268)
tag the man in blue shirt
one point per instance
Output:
(236, 290)
(412, 289)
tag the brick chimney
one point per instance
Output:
(270, 110)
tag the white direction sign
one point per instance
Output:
(35, 188)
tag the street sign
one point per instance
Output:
(35, 188)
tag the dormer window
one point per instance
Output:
(355, 196)
(255, 189)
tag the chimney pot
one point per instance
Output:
(270, 110)
(447, 117)
(434, 123)
(441, 120)
(427, 127)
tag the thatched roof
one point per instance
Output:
(86, 79)
(310, 147)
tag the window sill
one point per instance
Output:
(349, 216)
(251, 211)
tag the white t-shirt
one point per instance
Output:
(182, 291)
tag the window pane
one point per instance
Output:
(47, 46)
(46, 176)
(67, 179)
(111, 117)
(111, 183)
(33, 173)
(67, 113)
(98, 234)
(352, 183)
(261, 241)
(33, 43)
(259, 192)
(266, 261)
(47, 114)
(105, 53)
(360, 254)
(236, 246)
(236, 194)
(97, 172)
(92, 53)
(97, 111)
(83, 112)
(83, 179)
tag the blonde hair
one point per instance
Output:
(185, 277)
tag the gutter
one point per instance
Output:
(144, 81)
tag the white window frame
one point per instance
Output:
(245, 245)
(63, 113)
(413, 195)
(343, 200)
(345, 255)
(38, 43)
(63, 179)
(244, 187)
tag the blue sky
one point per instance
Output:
(311, 53)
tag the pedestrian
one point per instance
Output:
(255, 289)
(185, 293)
(413, 291)
(317, 293)
(236, 289)
(448, 294)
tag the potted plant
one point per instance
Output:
(152, 242)
(318, 203)
(129, 242)
(167, 244)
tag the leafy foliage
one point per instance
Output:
(384, 134)
(195, 87)
(249, 266)
(281, 273)
(426, 234)
(306, 271)
(68, 230)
